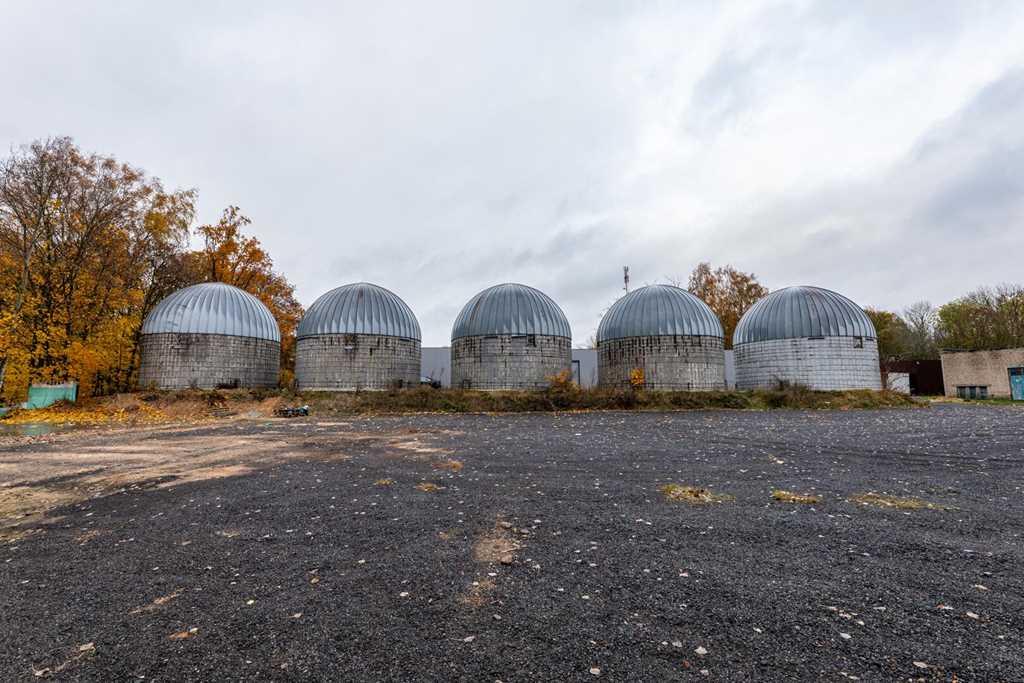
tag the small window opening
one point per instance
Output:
(972, 391)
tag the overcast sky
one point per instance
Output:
(436, 148)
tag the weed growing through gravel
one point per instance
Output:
(882, 500)
(428, 487)
(790, 497)
(384, 482)
(453, 465)
(695, 495)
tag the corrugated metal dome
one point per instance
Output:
(798, 312)
(213, 308)
(511, 309)
(659, 310)
(360, 308)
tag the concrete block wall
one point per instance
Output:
(350, 362)
(980, 369)
(687, 363)
(898, 382)
(508, 361)
(829, 364)
(206, 361)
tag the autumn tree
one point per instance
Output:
(230, 256)
(987, 318)
(79, 236)
(88, 246)
(729, 293)
(891, 331)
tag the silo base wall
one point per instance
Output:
(509, 362)
(208, 361)
(830, 364)
(670, 363)
(356, 362)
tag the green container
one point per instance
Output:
(43, 395)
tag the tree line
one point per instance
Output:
(987, 318)
(88, 246)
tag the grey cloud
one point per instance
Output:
(438, 148)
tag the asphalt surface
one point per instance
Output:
(309, 570)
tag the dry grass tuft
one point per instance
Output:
(790, 497)
(882, 500)
(86, 536)
(183, 635)
(476, 596)
(384, 482)
(428, 487)
(453, 465)
(694, 495)
(158, 602)
(497, 545)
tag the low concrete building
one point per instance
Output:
(984, 374)
(808, 336)
(510, 336)
(437, 366)
(357, 337)
(661, 337)
(210, 336)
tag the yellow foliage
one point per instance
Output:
(83, 415)
(94, 246)
(636, 378)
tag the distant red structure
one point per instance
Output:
(925, 375)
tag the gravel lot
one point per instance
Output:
(303, 550)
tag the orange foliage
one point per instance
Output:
(231, 257)
(88, 246)
(728, 292)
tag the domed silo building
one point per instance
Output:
(357, 337)
(663, 336)
(510, 336)
(210, 336)
(808, 336)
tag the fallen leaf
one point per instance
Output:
(183, 635)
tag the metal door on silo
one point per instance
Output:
(1017, 384)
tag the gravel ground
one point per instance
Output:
(550, 555)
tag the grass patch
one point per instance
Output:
(694, 495)
(428, 487)
(384, 482)
(451, 465)
(155, 407)
(562, 398)
(790, 497)
(882, 500)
